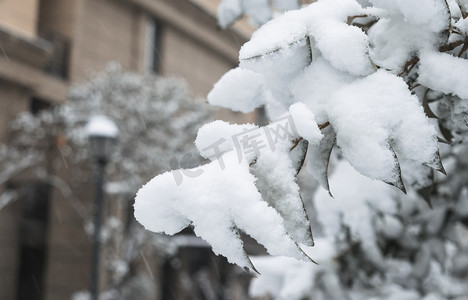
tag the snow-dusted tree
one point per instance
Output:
(371, 80)
(157, 121)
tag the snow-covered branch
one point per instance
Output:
(387, 78)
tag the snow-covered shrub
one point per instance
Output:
(384, 84)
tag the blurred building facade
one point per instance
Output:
(47, 45)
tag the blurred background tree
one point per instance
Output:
(157, 121)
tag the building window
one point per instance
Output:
(152, 58)
(58, 64)
(36, 105)
(35, 198)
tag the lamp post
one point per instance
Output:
(102, 136)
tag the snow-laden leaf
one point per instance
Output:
(315, 85)
(276, 180)
(433, 15)
(296, 25)
(229, 188)
(304, 121)
(298, 153)
(404, 27)
(377, 120)
(346, 47)
(459, 111)
(289, 60)
(319, 157)
(419, 177)
(233, 201)
(444, 72)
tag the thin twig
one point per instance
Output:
(451, 46)
(409, 65)
(463, 50)
(351, 19)
(296, 142)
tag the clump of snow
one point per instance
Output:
(304, 120)
(240, 90)
(444, 72)
(371, 117)
(433, 15)
(315, 85)
(345, 47)
(276, 180)
(218, 137)
(405, 27)
(101, 126)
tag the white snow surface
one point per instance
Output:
(101, 126)
(276, 179)
(240, 90)
(444, 72)
(315, 85)
(219, 134)
(377, 115)
(404, 28)
(462, 24)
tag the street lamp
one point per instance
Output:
(102, 136)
